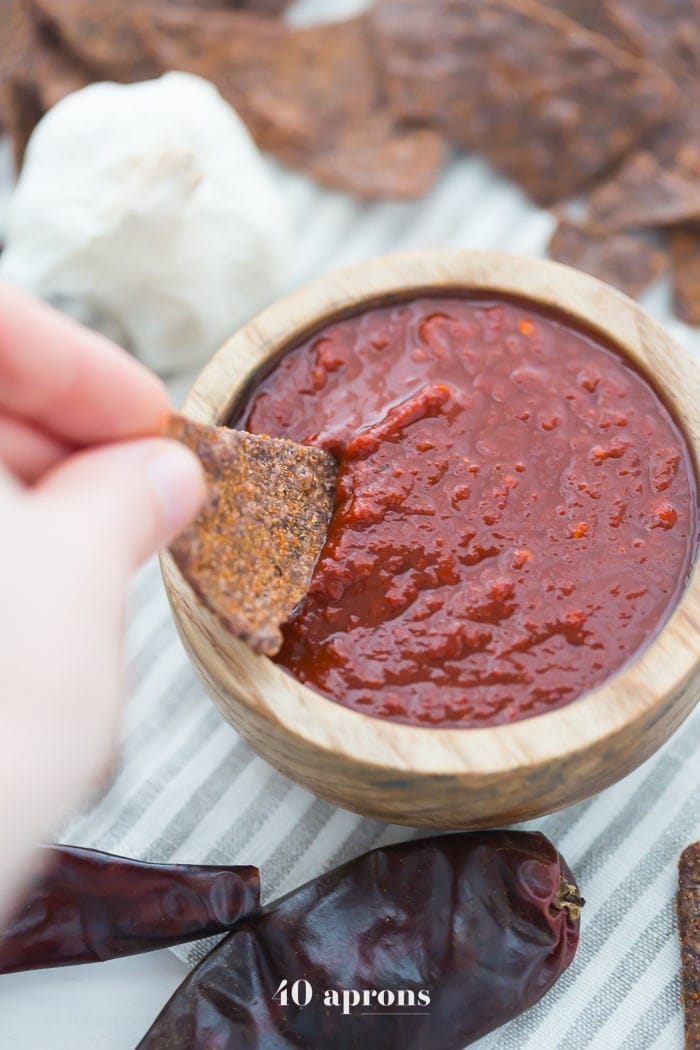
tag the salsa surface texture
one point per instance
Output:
(516, 513)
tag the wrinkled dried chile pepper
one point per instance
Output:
(89, 906)
(482, 923)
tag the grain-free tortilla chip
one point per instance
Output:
(378, 160)
(260, 7)
(105, 38)
(628, 263)
(56, 72)
(263, 7)
(35, 73)
(358, 146)
(250, 554)
(594, 15)
(20, 106)
(688, 905)
(233, 49)
(546, 101)
(312, 96)
(645, 194)
(684, 245)
(21, 110)
(667, 32)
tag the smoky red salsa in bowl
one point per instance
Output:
(516, 511)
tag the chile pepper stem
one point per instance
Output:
(567, 896)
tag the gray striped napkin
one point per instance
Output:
(188, 789)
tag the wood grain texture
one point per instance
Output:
(450, 778)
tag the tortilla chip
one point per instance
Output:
(19, 104)
(684, 245)
(357, 146)
(627, 263)
(21, 107)
(644, 194)
(310, 96)
(667, 32)
(260, 7)
(250, 554)
(594, 15)
(378, 160)
(546, 101)
(56, 71)
(103, 38)
(263, 7)
(688, 905)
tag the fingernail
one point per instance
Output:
(178, 482)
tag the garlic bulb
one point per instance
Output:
(146, 210)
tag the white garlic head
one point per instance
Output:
(146, 210)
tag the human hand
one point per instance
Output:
(86, 494)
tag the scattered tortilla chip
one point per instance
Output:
(553, 93)
(20, 106)
(684, 244)
(688, 904)
(260, 7)
(310, 96)
(594, 15)
(263, 7)
(643, 194)
(251, 553)
(101, 37)
(667, 32)
(628, 263)
(57, 75)
(24, 101)
(378, 160)
(546, 101)
(358, 147)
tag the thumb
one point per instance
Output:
(135, 496)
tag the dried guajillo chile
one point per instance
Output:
(431, 943)
(88, 906)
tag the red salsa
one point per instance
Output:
(516, 511)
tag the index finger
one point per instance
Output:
(73, 382)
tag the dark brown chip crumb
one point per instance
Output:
(628, 263)
(688, 904)
(251, 552)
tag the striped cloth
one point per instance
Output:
(186, 788)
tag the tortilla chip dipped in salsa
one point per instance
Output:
(250, 554)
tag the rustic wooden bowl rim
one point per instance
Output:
(649, 681)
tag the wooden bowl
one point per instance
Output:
(449, 778)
